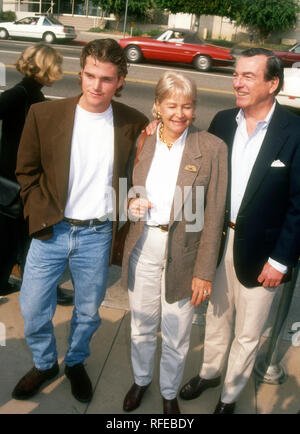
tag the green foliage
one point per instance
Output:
(221, 42)
(154, 32)
(97, 29)
(8, 16)
(262, 16)
(136, 8)
(198, 7)
(267, 16)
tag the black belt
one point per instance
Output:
(91, 222)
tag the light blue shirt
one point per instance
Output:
(244, 154)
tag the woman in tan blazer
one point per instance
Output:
(177, 207)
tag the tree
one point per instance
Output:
(267, 16)
(199, 7)
(262, 16)
(136, 8)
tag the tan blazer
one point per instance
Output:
(189, 254)
(44, 158)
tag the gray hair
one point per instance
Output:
(174, 83)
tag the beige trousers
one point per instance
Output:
(235, 321)
(149, 308)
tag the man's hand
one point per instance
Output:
(201, 290)
(151, 128)
(270, 277)
(139, 207)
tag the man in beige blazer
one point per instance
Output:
(71, 156)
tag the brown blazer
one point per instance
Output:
(44, 158)
(189, 254)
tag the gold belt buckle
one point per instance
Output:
(164, 228)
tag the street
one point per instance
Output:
(214, 88)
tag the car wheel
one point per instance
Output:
(133, 54)
(49, 37)
(202, 63)
(3, 33)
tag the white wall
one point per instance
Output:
(183, 21)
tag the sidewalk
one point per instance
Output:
(84, 37)
(110, 369)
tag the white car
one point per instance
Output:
(43, 27)
(290, 94)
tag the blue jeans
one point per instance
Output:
(86, 249)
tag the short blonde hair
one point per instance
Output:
(174, 84)
(42, 62)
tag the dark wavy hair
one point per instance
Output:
(274, 65)
(106, 50)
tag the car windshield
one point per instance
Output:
(54, 20)
(180, 36)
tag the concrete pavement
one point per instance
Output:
(110, 369)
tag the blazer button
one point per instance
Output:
(170, 260)
(44, 225)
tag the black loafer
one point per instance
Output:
(81, 385)
(134, 397)
(196, 386)
(170, 406)
(223, 408)
(31, 383)
(10, 288)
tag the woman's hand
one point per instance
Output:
(201, 290)
(139, 207)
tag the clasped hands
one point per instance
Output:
(139, 207)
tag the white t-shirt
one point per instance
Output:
(91, 166)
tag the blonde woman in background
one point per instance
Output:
(41, 65)
(170, 257)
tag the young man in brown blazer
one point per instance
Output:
(71, 156)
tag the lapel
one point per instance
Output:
(142, 166)
(123, 137)
(191, 156)
(61, 139)
(274, 140)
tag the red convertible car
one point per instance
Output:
(177, 45)
(290, 57)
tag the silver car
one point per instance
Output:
(44, 27)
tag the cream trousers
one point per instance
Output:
(235, 321)
(149, 308)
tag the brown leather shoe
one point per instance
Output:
(223, 408)
(171, 406)
(196, 386)
(134, 397)
(81, 385)
(30, 384)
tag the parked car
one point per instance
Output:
(290, 94)
(44, 27)
(177, 45)
(289, 57)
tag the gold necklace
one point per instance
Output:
(161, 138)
